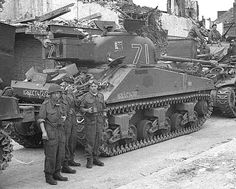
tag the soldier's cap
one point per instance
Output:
(54, 88)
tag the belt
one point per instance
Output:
(55, 125)
(94, 114)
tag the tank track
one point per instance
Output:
(26, 141)
(224, 103)
(113, 151)
(5, 149)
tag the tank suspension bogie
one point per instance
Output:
(153, 121)
(177, 116)
(184, 115)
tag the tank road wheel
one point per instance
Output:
(176, 120)
(201, 108)
(143, 129)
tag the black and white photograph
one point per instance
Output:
(118, 94)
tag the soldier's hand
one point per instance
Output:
(63, 118)
(44, 136)
(105, 114)
(90, 110)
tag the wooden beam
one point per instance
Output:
(53, 14)
(26, 20)
(90, 17)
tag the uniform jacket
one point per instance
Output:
(51, 114)
(195, 33)
(214, 35)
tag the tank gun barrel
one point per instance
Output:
(180, 59)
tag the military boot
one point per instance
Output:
(97, 162)
(67, 169)
(50, 179)
(89, 164)
(73, 163)
(58, 176)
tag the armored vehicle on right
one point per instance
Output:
(222, 71)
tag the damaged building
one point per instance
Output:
(28, 49)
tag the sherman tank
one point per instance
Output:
(146, 102)
(9, 113)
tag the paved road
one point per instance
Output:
(26, 168)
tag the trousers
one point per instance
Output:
(54, 149)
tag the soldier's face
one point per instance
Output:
(56, 96)
(94, 88)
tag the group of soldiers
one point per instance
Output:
(57, 120)
(199, 33)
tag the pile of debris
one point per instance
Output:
(69, 77)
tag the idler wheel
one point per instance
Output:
(176, 121)
(144, 129)
(201, 108)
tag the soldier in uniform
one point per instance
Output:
(70, 127)
(195, 32)
(51, 121)
(214, 35)
(93, 105)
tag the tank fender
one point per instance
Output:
(231, 81)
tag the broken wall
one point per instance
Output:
(176, 26)
(28, 53)
(22, 9)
